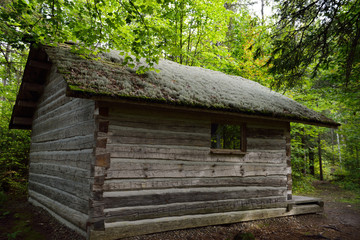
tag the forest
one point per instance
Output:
(307, 50)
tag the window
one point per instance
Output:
(227, 138)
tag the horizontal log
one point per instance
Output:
(68, 214)
(138, 151)
(117, 110)
(160, 124)
(63, 171)
(181, 209)
(122, 168)
(64, 120)
(80, 129)
(47, 105)
(163, 183)
(62, 197)
(79, 159)
(265, 133)
(151, 133)
(81, 190)
(265, 144)
(167, 196)
(67, 106)
(72, 143)
(52, 91)
(171, 140)
(134, 151)
(123, 229)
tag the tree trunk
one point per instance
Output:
(311, 161)
(357, 157)
(339, 148)
(8, 65)
(304, 147)
(332, 147)
(320, 160)
(181, 31)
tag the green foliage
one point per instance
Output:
(14, 144)
(3, 198)
(13, 235)
(185, 31)
(313, 55)
(311, 36)
(302, 184)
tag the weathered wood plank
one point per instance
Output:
(265, 133)
(64, 171)
(167, 196)
(72, 143)
(80, 129)
(75, 217)
(138, 151)
(151, 133)
(180, 209)
(123, 229)
(265, 144)
(59, 100)
(81, 190)
(171, 140)
(163, 183)
(79, 159)
(68, 106)
(160, 124)
(64, 120)
(122, 168)
(52, 91)
(135, 151)
(62, 197)
(119, 110)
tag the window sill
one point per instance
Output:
(227, 151)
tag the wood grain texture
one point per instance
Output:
(70, 215)
(60, 196)
(122, 168)
(167, 196)
(180, 209)
(123, 229)
(164, 183)
(62, 153)
(138, 151)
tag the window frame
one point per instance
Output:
(243, 142)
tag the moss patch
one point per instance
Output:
(176, 84)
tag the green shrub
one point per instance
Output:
(302, 184)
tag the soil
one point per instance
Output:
(340, 220)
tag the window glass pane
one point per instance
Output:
(225, 136)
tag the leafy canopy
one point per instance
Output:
(315, 35)
(143, 28)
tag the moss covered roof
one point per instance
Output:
(177, 84)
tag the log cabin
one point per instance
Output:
(117, 154)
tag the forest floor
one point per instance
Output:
(340, 220)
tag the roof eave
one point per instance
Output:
(77, 93)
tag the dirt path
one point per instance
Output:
(340, 220)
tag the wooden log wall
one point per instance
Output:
(158, 164)
(62, 154)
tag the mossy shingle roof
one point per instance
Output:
(177, 84)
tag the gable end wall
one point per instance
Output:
(61, 155)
